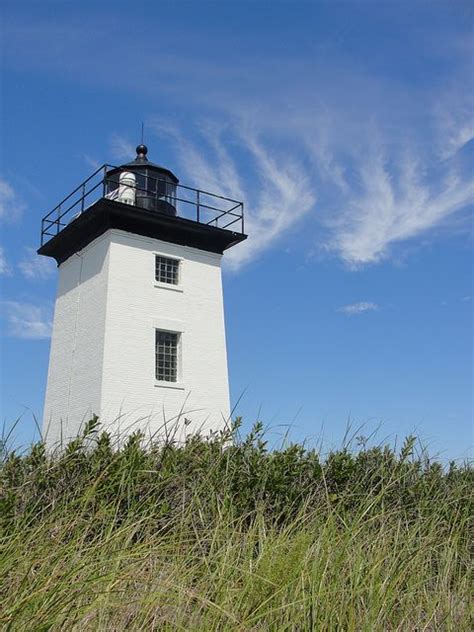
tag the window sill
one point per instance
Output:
(178, 386)
(168, 286)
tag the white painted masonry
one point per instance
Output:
(102, 356)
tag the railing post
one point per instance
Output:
(83, 190)
(58, 220)
(242, 217)
(104, 180)
(198, 215)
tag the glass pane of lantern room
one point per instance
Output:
(161, 186)
(171, 192)
(112, 182)
(151, 183)
(140, 183)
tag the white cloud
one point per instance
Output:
(34, 266)
(5, 268)
(121, 148)
(11, 204)
(284, 196)
(25, 320)
(91, 162)
(460, 137)
(455, 121)
(358, 308)
(326, 107)
(375, 191)
(395, 201)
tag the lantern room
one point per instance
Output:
(143, 183)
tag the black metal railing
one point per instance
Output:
(194, 204)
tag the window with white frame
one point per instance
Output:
(166, 356)
(166, 270)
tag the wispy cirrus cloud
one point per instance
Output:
(370, 201)
(358, 308)
(454, 115)
(395, 200)
(121, 148)
(382, 153)
(11, 203)
(5, 267)
(91, 162)
(26, 320)
(36, 267)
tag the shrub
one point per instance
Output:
(224, 533)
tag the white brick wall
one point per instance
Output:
(103, 347)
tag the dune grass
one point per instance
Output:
(221, 535)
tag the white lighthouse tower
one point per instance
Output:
(138, 335)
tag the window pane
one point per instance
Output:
(166, 270)
(166, 356)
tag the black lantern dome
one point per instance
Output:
(155, 186)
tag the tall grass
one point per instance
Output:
(228, 535)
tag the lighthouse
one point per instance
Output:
(138, 334)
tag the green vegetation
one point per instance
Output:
(228, 535)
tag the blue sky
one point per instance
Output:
(347, 129)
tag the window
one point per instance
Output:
(166, 356)
(166, 270)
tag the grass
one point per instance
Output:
(221, 535)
